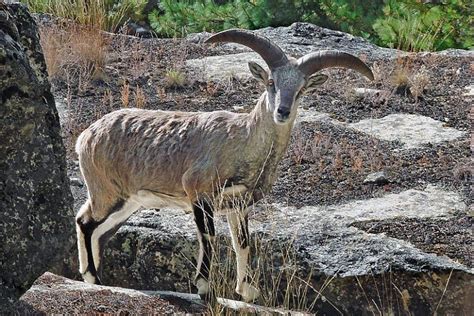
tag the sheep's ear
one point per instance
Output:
(314, 81)
(258, 72)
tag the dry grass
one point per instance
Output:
(400, 76)
(125, 94)
(140, 97)
(76, 55)
(419, 82)
(74, 50)
(97, 14)
(161, 92)
(409, 78)
(273, 268)
(330, 154)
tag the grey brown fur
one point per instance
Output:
(134, 158)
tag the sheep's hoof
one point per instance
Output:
(248, 292)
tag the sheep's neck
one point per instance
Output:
(269, 139)
(273, 134)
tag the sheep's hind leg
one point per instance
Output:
(238, 224)
(93, 235)
(204, 217)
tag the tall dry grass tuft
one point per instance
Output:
(97, 14)
(140, 97)
(71, 48)
(125, 94)
(274, 269)
(76, 55)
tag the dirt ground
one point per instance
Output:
(325, 164)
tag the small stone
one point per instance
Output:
(76, 182)
(364, 92)
(469, 90)
(378, 178)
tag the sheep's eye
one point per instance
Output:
(270, 83)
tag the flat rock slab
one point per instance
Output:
(410, 129)
(56, 295)
(311, 115)
(219, 68)
(324, 231)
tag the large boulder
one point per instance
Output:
(36, 223)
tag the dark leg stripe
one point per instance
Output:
(204, 217)
(88, 229)
(243, 233)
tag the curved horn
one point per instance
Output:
(271, 53)
(311, 63)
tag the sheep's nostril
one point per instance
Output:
(284, 112)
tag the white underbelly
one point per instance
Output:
(148, 199)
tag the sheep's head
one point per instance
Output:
(288, 78)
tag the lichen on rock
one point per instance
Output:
(36, 226)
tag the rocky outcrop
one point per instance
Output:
(36, 223)
(352, 271)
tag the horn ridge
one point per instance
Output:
(272, 54)
(313, 62)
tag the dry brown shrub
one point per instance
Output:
(73, 49)
(419, 82)
(140, 97)
(161, 92)
(125, 94)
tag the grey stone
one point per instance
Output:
(410, 129)
(378, 178)
(76, 182)
(220, 68)
(36, 225)
(310, 115)
(365, 92)
(198, 38)
(469, 91)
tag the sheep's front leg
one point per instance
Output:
(238, 224)
(203, 215)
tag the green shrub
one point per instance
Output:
(178, 18)
(405, 24)
(413, 26)
(352, 16)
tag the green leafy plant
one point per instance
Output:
(175, 78)
(182, 17)
(413, 26)
(352, 16)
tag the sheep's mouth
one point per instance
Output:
(281, 120)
